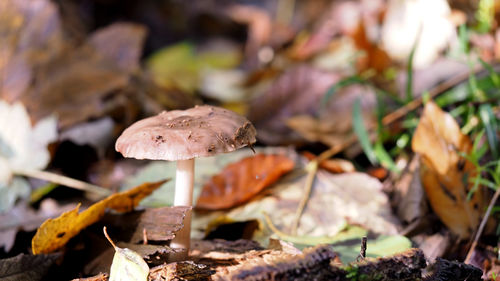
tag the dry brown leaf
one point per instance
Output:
(373, 56)
(121, 43)
(54, 233)
(73, 86)
(297, 91)
(240, 181)
(78, 82)
(333, 126)
(439, 141)
(31, 34)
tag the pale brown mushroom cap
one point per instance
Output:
(185, 134)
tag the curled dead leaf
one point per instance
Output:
(54, 233)
(444, 172)
(240, 181)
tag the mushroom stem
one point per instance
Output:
(184, 181)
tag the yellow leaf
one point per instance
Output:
(55, 233)
(444, 172)
(127, 264)
(179, 66)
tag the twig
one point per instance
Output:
(104, 229)
(63, 180)
(481, 226)
(144, 236)
(311, 168)
(362, 252)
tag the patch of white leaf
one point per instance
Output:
(427, 21)
(22, 147)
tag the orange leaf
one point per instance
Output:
(444, 172)
(54, 233)
(240, 181)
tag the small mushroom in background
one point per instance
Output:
(182, 136)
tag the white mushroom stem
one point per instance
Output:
(184, 182)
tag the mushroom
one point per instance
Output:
(182, 136)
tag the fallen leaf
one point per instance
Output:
(379, 246)
(205, 168)
(241, 181)
(297, 91)
(26, 267)
(54, 233)
(444, 171)
(121, 43)
(224, 85)
(409, 195)
(127, 265)
(83, 81)
(340, 16)
(31, 35)
(373, 56)
(336, 199)
(333, 125)
(22, 147)
(259, 28)
(346, 242)
(434, 245)
(179, 66)
(73, 86)
(422, 23)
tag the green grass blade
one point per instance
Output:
(339, 85)
(384, 158)
(490, 124)
(409, 73)
(493, 75)
(361, 132)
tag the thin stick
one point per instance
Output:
(63, 180)
(362, 252)
(144, 236)
(481, 226)
(107, 237)
(312, 168)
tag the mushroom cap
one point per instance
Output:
(184, 134)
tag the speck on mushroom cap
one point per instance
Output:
(185, 134)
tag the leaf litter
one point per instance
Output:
(286, 67)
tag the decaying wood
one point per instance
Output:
(405, 266)
(453, 271)
(317, 264)
(313, 264)
(217, 260)
(181, 271)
